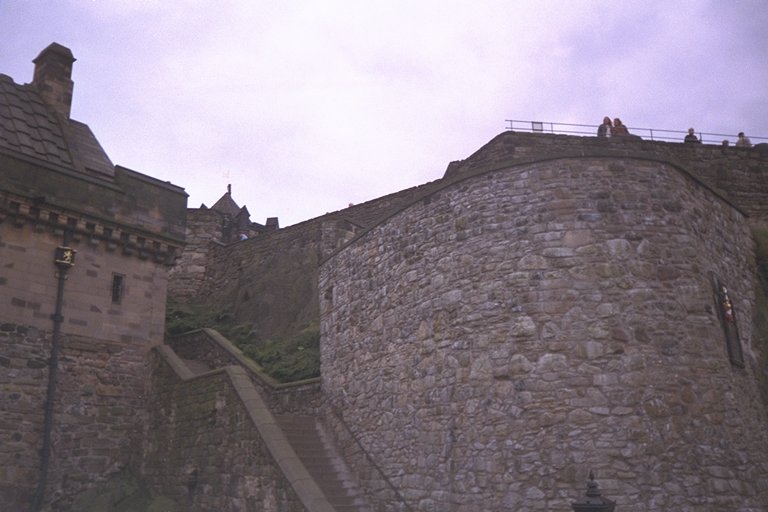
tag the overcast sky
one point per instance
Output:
(306, 106)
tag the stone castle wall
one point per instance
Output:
(113, 310)
(102, 371)
(270, 279)
(203, 231)
(98, 414)
(203, 450)
(739, 174)
(501, 337)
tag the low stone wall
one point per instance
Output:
(210, 347)
(211, 444)
(498, 339)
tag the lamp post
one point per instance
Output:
(64, 259)
(593, 501)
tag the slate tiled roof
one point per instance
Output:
(29, 126)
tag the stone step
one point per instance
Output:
(196, 367)
(322, 464)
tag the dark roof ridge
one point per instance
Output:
(31, 127)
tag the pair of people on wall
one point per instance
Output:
(612, 129)
(742, 141)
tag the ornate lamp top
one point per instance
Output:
(593, 501)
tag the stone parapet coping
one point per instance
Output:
(132, 240)
(282, 452)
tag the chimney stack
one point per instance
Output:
(53, 77)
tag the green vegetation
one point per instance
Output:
(295, 357)
(180, 318)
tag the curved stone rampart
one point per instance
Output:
(496, 340)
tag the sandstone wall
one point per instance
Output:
(203, 231)
(101, 374)
(498, 339)
(98, 414)
(28, 283)
(23, 371)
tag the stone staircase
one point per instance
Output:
(196, 367)
(323, 464)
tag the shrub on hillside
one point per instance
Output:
(293, 358)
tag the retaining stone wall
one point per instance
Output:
(204, 452)
(269, 281)
(497, 340)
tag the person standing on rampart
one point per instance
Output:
(618, 128)
(691, 137)
(743, 141)
(605, 129)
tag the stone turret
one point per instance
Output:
(53, 77)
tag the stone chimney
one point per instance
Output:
(53, 77)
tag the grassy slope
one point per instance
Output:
(293, 358)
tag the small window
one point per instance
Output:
(118, 285)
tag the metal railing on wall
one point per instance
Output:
(590, 130)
